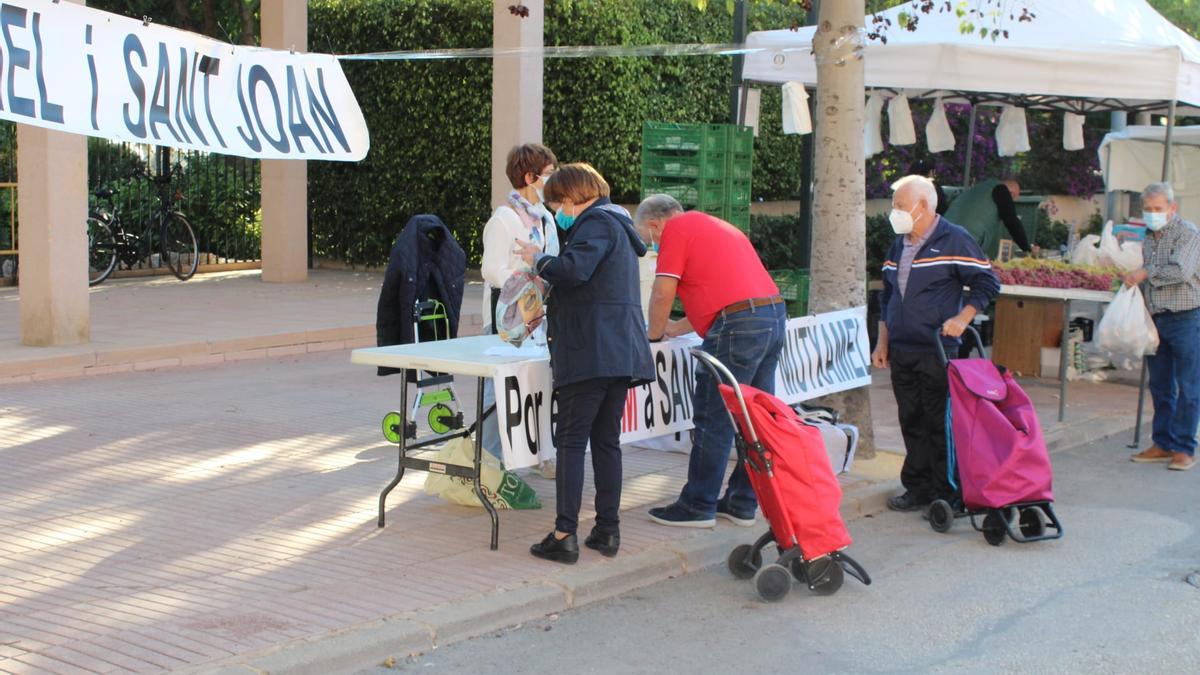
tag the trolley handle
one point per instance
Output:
(721, 373)
(937, 338)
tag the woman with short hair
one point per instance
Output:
(598, 350)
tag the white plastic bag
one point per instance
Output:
(1127, 329)
(1087, 251)
(1127, 255)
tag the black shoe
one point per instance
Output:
(906, 502)
(565, 550)
(606, 544)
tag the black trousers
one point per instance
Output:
(590, 411)
(919, 383)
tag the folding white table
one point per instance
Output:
(460, 356)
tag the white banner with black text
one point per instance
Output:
(821, 355)
(70, 68)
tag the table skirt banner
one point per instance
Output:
(822, 354)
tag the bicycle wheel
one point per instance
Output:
(179, 250)
(102, 251)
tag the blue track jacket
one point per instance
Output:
(949, 261)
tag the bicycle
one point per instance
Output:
(109, 242)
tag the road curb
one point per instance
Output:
(359, 647)
(363, 646)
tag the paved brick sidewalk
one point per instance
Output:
(199, 515)
(154, 520)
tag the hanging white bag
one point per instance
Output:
(1126, 330)
(1087, 251)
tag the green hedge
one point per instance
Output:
(430, 121)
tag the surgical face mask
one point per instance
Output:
(1155, 221)
(564, 220)
(902, 221)
(541, 197)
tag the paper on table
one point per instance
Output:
(527, 350)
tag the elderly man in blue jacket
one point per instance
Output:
(926, 269)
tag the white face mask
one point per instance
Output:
(1155, 221)
(902, 221)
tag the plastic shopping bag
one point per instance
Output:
(504, 489)
(1127, 255)
(1087, 251)
(1127, 331)
(521, 303)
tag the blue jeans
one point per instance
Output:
(748, 343)
(1175, 381)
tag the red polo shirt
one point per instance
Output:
(715, 263)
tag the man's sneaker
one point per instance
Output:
(737, 518)
(1182, 462)
(678, 515)
(906, 502)
(1152, 454)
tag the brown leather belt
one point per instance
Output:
(752, 303)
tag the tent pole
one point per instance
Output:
(1166, 178)
(737, 101)
(970, 147)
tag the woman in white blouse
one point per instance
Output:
(524, 218)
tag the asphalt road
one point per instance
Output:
(1112, 596)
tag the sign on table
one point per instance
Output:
(823, 354)
(84, 71)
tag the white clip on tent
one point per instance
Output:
(1076, 56)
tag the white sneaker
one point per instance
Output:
(547, 469)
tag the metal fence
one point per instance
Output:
(220, 195)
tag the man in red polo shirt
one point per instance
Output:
(731, 301)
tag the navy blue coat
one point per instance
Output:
(594, 313)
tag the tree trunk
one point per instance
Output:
(838, 278)
(249, 29)
(183, 14)
(210, 18)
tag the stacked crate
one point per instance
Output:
(704, 166)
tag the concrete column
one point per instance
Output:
(285, 181)
(52, 240)
(516, 87)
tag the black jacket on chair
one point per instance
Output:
(426, 263)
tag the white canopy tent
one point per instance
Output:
(1077, 55)
(1132, 158)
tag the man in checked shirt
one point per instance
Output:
(1171, 287)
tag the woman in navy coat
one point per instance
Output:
(598, 349)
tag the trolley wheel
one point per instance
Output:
(1033, 524)
(440, 418)
(941, 515)
(739, 566)
(799, 573)
(993, 528)
(825, 576)
(391, 427)
(773, 582)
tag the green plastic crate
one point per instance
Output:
(677, 164)
(793, 287)
(693, 137)
(737, 192)
(741, 165)
(690, 193)
(738, 215)
(741, 139)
